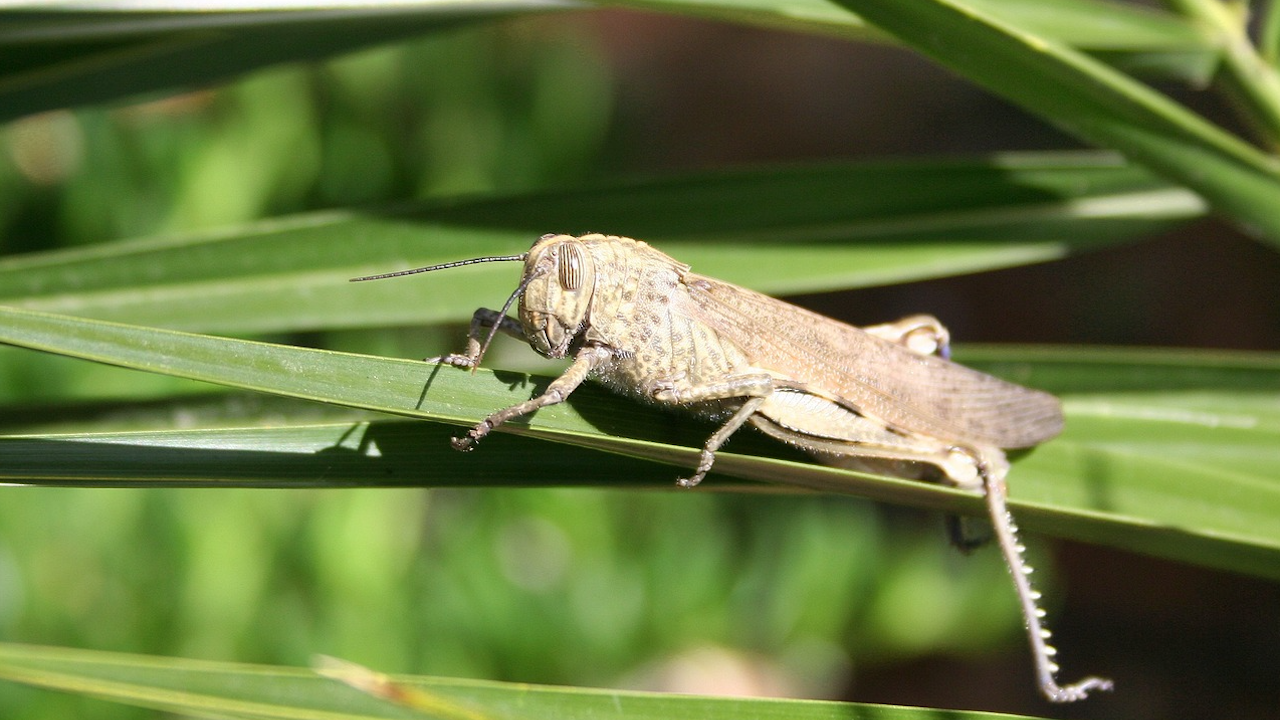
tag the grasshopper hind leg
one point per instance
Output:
(992, 468)
(925, 335)
(922, 334)
(866, 445)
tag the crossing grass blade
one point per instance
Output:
(1092, 101)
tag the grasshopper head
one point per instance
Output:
(561, 279)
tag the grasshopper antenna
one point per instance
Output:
(444, 266)
(493, 331)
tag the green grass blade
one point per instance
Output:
(1100, 24)
(1082, 23)
(1153, 440)
(211, 409)
(385, 453)
(1178, 442)
(64, 58)
(1092, 101)
(1269, 34)
(798, 229)
(255, 692)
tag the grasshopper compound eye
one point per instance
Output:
(560, 284)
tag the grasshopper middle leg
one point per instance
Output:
(752, 388)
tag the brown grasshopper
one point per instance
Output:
(884, 397)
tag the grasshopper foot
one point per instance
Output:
(689, 481)
(467, 442)
(967, 534)
(465, 362)
(1075, 691)
(704, 466)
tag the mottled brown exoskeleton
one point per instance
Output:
(884, 398)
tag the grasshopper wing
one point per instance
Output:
(909, 392)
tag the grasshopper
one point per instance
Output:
(884, 398)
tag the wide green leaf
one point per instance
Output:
(796, 229)
(1091, 100)
(1169, 453)
(255, 692)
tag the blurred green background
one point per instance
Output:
(806, 596)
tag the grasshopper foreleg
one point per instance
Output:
(559, 389)
(482, 321)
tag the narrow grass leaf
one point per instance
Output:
(1168, 453)
(795, 229)
(108, 51)
(256, 692)
(65, 57)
